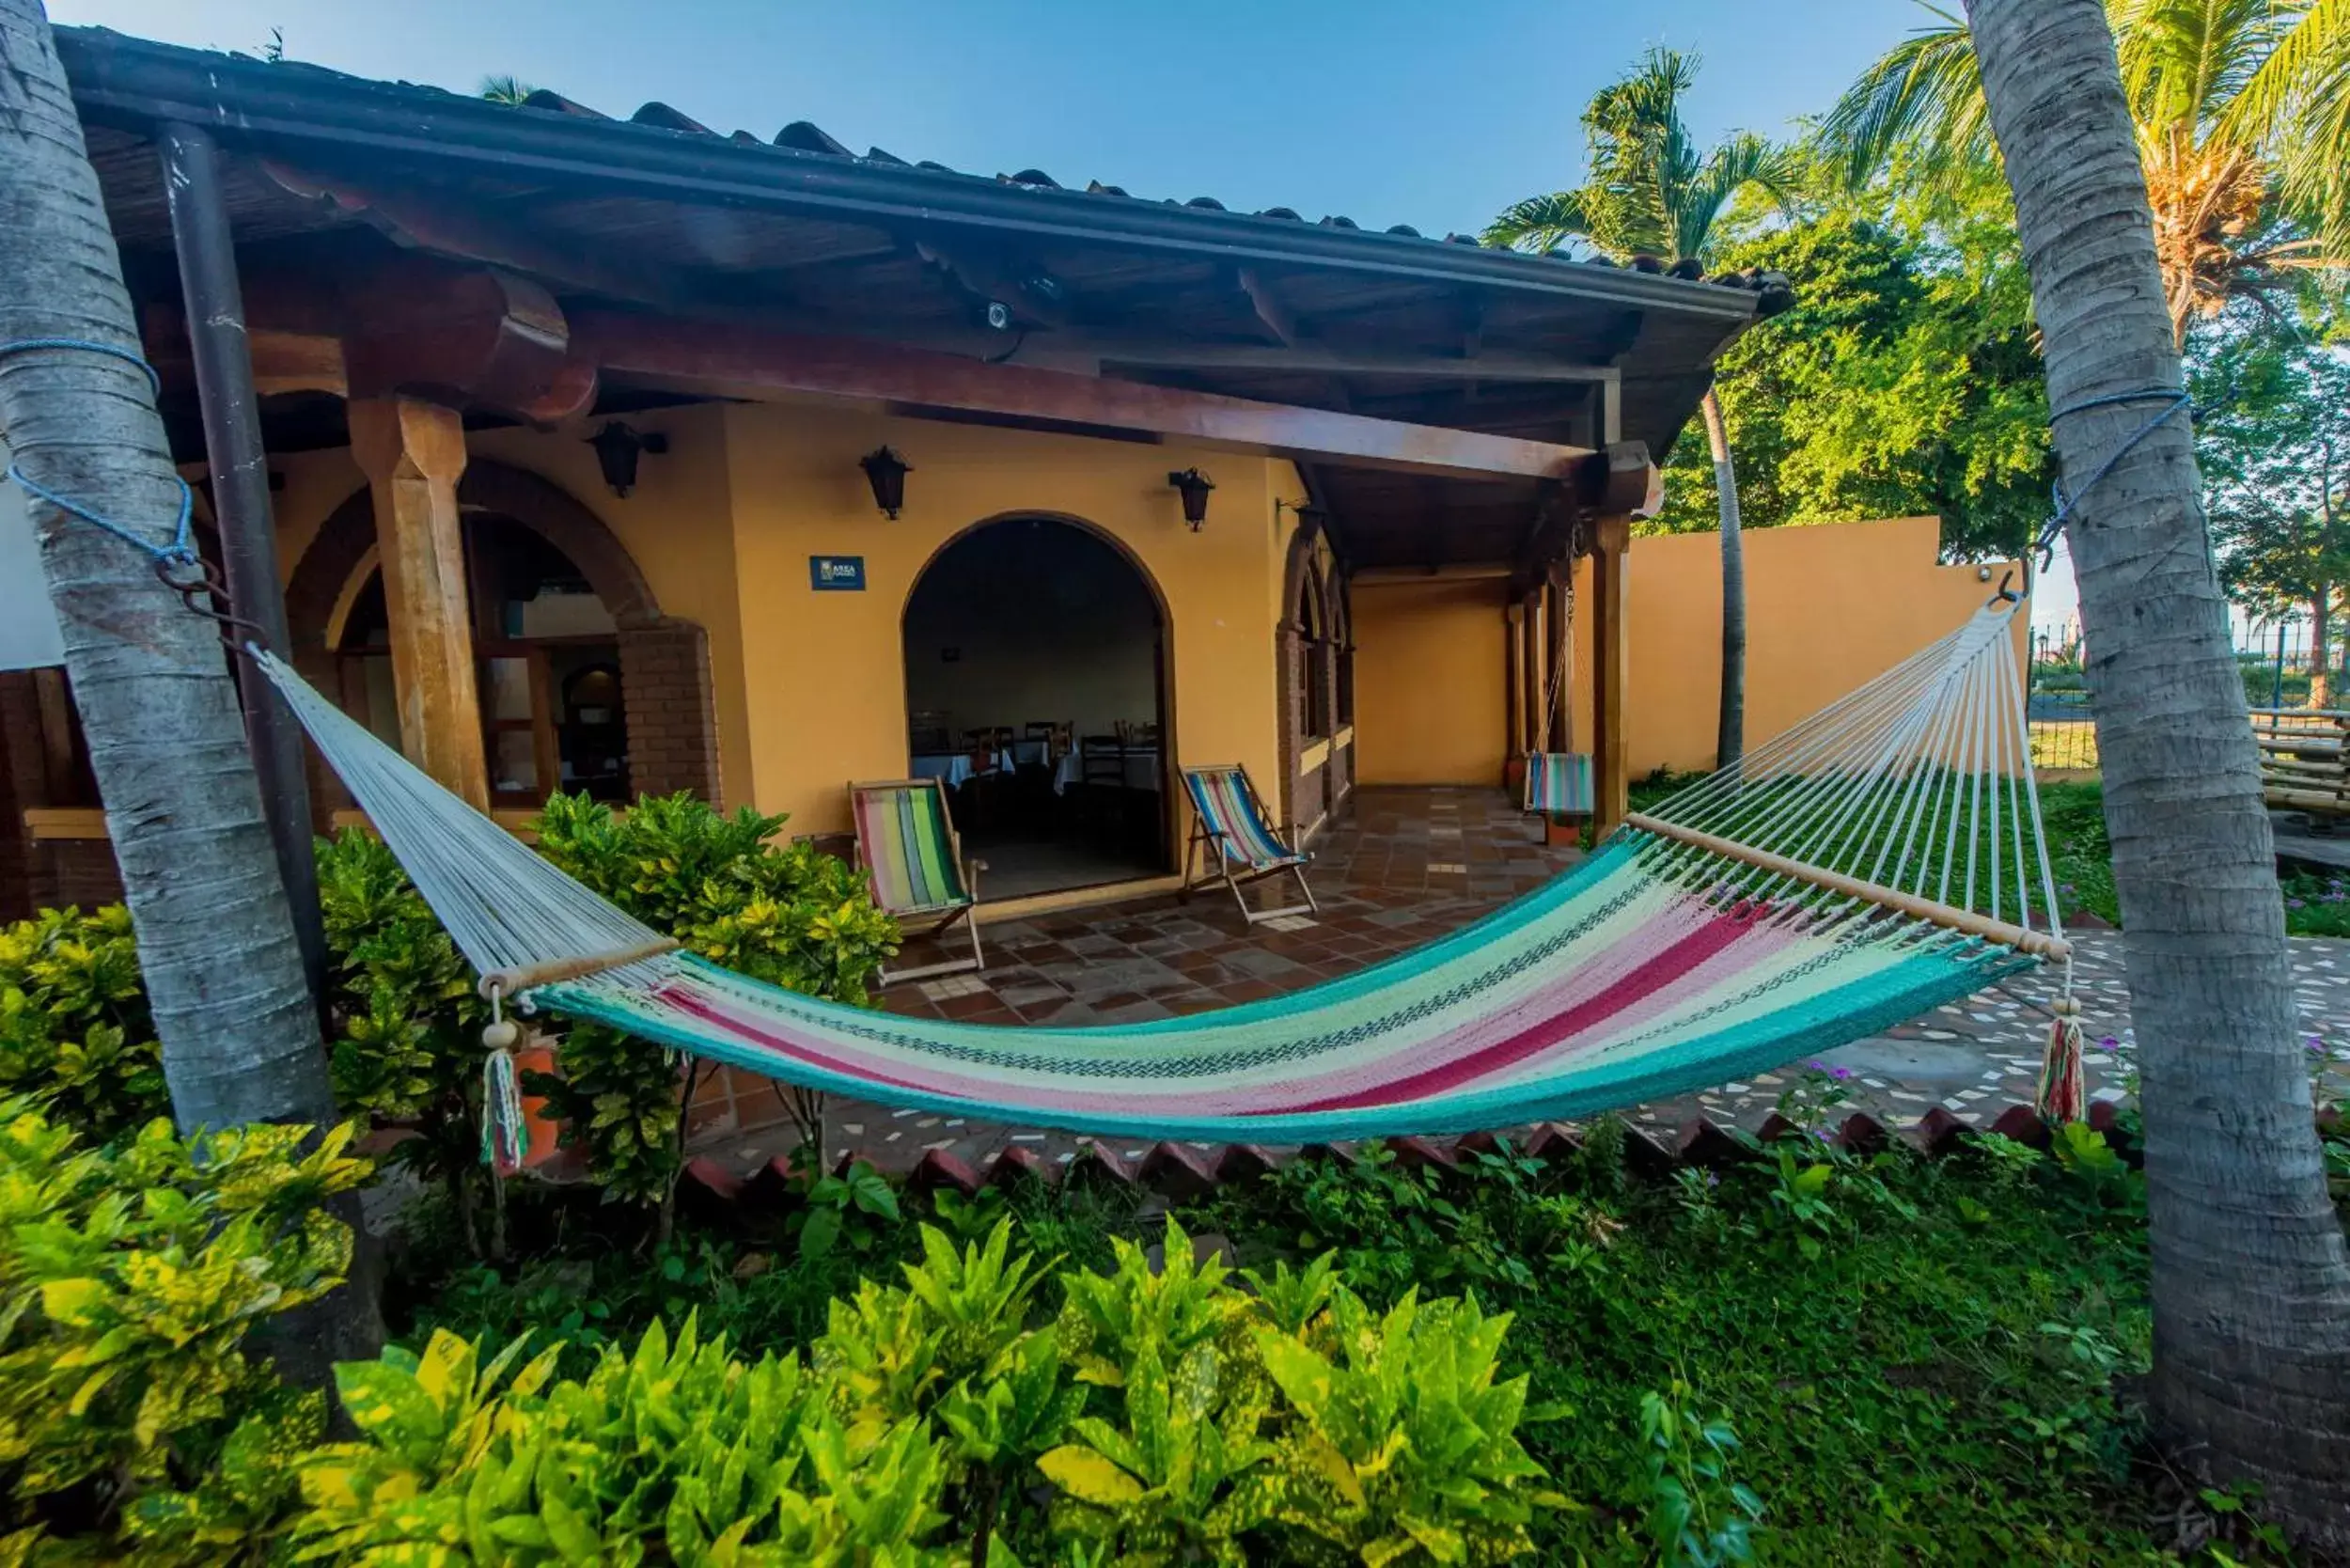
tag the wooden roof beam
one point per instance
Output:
(731, 359)
(1319, 358)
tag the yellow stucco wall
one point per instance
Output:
(811, 687)
(1428, 682)
(1828, 607)
(676, 523)
(825, 670)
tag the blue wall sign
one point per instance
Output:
(837, 573)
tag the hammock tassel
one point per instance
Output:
(504, 1134)
(2063, 1090)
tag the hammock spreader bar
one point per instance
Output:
(1876, 861)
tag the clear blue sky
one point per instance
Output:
(1435, 113)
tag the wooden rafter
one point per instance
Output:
(723, 359)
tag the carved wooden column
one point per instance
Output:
(413, 453)
(1610, 642)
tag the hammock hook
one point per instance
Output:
(188, 578)
(2005, 593)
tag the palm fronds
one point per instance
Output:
(1925, 93)
(1540, 223)
(1650, 191)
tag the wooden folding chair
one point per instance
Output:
(908, 846)
(1234, 832)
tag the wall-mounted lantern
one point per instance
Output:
(885, 471)
(1195, 487)
(618, 446)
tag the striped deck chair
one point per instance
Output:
(908, 849)
(1232, 833)
(1559, 781)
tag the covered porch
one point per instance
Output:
(554, 478)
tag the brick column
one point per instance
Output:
(670, 711)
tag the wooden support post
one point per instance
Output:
(1562, 659)
(1538, 673)
(1610, 641)
(1514, 633)
(413, 453)
(231, 412)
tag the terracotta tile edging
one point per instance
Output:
(1181, 1173)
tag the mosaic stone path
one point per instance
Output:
(1411, 865)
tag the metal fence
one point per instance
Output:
(2277, 663)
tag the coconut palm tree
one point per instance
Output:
(1651, 193)
(507, 89)
(2240, 109)
(2250, 1284)
(216, 944)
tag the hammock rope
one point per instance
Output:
(1876, 861)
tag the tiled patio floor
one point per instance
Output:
(1406, 867)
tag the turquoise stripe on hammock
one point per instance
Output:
(1918, 984)
(1920, 971)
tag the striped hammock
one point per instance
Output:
(1877, 861)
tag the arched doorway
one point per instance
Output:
(1036, 688)
(664, 728)
(547, 666)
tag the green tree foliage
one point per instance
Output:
(1903, 382)
(2273, 440)
(75, 1033)
(131, 1277)
(2242, 109)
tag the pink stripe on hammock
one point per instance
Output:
(1553, 1016)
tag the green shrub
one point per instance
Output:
(408, 1020)
(130, 1277)
(74, 1031)
(787, 915)
(1175, 1418)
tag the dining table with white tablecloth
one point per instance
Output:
(1138, 769)
(951, 768)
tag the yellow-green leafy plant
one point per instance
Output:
(784, 914)
(74, 1029)
(1107, 1319)
(677, 1452)
(131, 1420)
(1174, 1479)
(1402, 1449)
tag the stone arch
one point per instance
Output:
(666, 693)
(1306, 656)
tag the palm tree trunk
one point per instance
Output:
(166, 741)
(1729, 734)
(2250, 1285)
